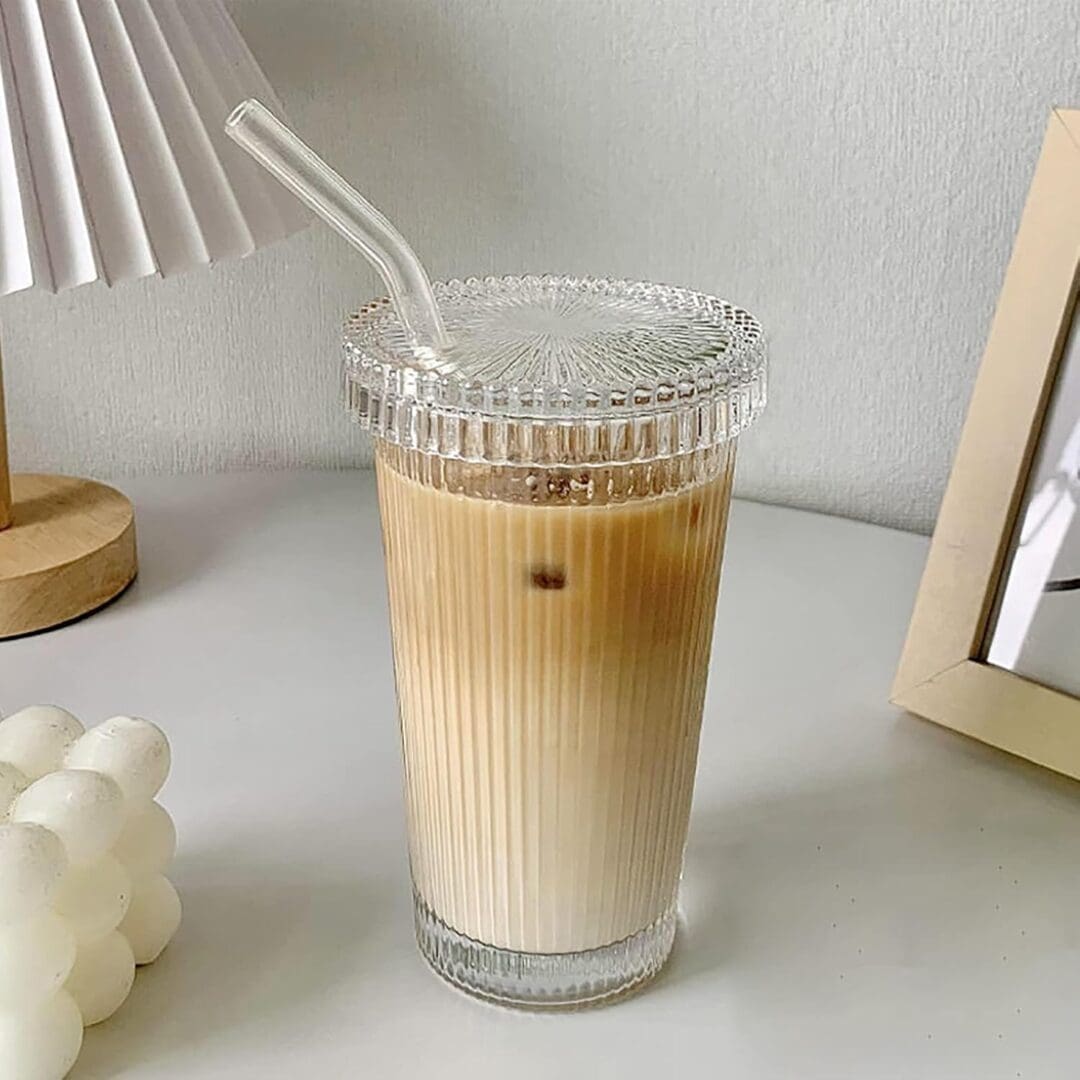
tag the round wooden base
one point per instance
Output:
(69, 549)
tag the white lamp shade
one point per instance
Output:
(113, 159)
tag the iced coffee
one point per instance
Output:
(553, 582)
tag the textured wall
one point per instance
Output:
(851, 170)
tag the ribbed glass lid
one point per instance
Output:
(550, 370)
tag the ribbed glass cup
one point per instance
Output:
(554, 499)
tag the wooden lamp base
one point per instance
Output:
(69, 549)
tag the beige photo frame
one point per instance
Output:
(941, 675)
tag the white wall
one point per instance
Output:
(851, 170)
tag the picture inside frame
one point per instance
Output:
(1036, 629)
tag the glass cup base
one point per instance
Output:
(544, 980)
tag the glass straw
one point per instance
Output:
(288, 158)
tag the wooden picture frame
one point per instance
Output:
(942, 675)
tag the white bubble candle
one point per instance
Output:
(83, 895)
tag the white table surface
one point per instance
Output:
(866, 895)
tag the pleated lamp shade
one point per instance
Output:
(113, 165)
(113, 161)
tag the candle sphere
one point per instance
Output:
(35, 739)
(102, 977)
(152, 919)
(94, 898)
(134, 752)
(42, 1041)
(85, 809)
(36, 956)
(32, 863)
(147, 843)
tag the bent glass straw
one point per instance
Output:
(291, 161)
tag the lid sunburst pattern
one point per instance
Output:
(621, 370)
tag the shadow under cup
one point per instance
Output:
(554, 497)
